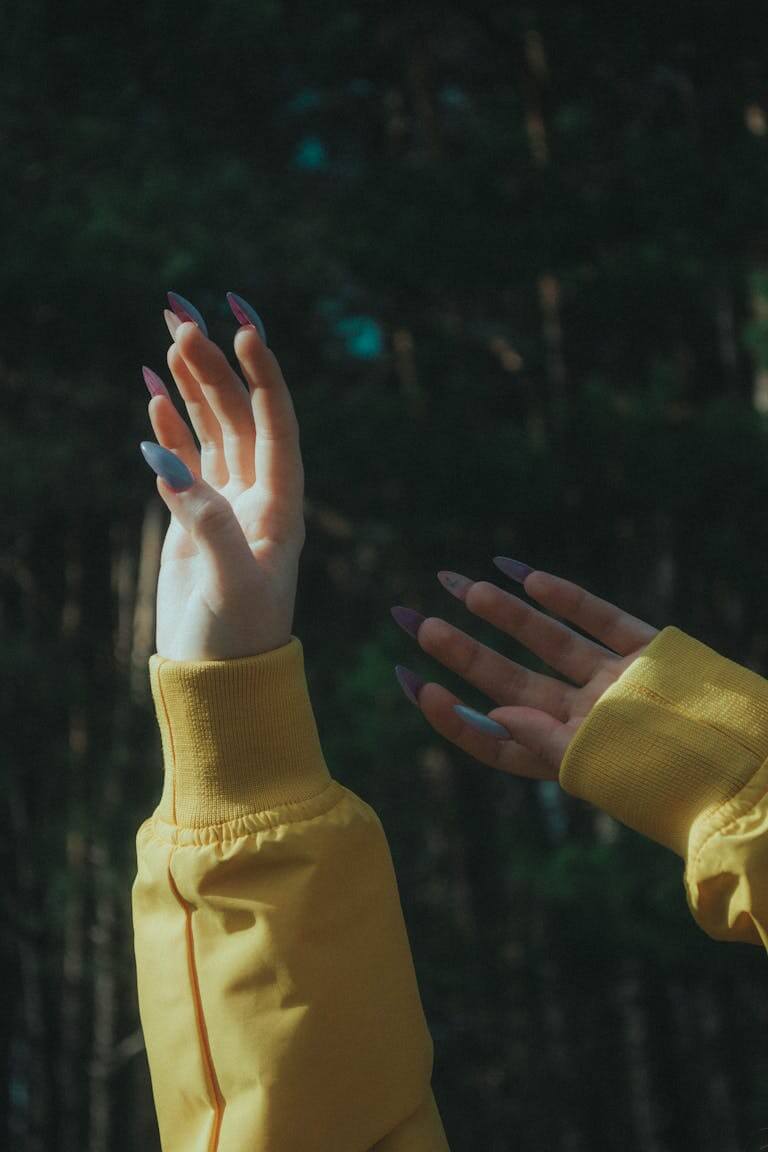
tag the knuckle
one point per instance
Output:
(563, 641)
(512, 685)
(213, 514)
(450, 645)
(488, 600)
(231, 434)
(572, 596)
(470, 655)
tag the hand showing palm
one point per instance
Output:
(229, 564)
(541, 714)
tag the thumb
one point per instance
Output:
(537, 731)
(202, 511)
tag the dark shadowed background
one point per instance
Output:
(513, 260)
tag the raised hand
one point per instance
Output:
(229, 565)
(541, 714)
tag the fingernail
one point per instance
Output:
(154, 383)
(408, 620)
(168, 467)
(481, 723)
(172, 321)
(186, 311)
(456, 584)
(513, 568)
(246, 314)
(410, 682)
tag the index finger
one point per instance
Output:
(223, 390)
(279, 467)
(618, 630)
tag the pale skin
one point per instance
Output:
(230, 562)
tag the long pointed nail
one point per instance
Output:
(186, 311)
(168, 466)
(172, 321)
(154, 383)
(408, 619)
(456, 584)
(515, 569)
(410, 682)
(480, 722)
(245, 313)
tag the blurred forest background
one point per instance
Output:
(513, 259)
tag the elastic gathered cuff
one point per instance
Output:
(679, 734)
(238, 736)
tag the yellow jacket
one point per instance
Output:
(277, 991)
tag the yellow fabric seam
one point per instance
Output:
(169, 729)
(166, 833)
(641, 690)
(212, 1082)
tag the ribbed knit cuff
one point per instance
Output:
(678, 735)
(239, 736)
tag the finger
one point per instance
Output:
(542, 735)
(173, 432)
(279, 467)
(226, 394)
(508, 756)
(554, 643)
(204, 421)
(499, 678)
(617, 629)
(210, 521)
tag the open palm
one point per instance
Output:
(542, 714)
(228, 575)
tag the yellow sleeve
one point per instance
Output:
(677, 749)
(276, 985)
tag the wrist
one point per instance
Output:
(691, 727)
(239, 735)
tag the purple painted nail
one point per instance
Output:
(172, 321)
(186, 311)
(408, 620)
(153, 382)
(410, 682)
(245, 313)
(512, 568)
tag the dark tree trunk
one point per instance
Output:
(71, 1044)
(638, 1055)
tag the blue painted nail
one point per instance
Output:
(514, 568)
(186, 311)
(245, 313)
(481, 723)
(168, 467)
